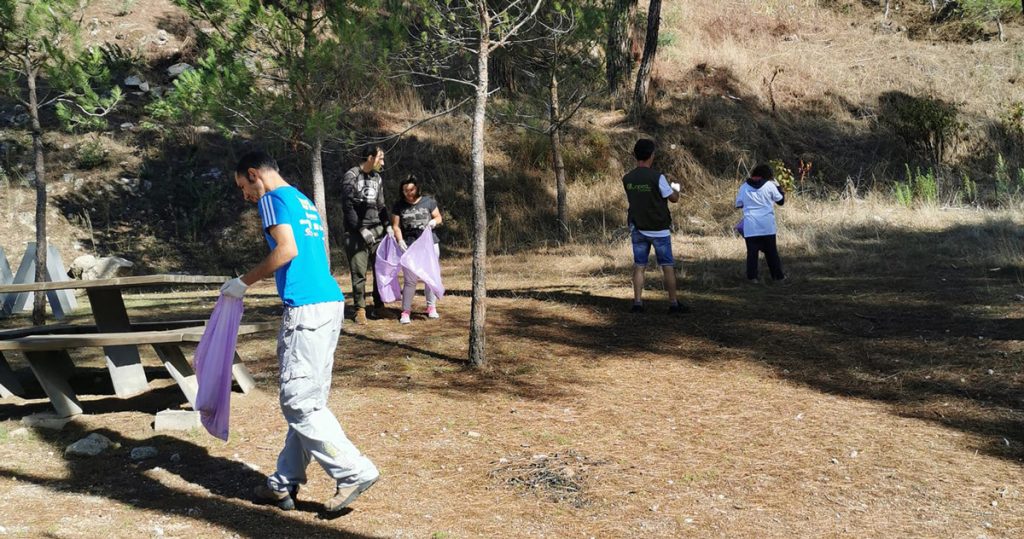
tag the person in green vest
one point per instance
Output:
(650, 223)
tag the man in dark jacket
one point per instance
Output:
(650, 223)
(366, 215)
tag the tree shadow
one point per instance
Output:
(144, 484)
(899, 316)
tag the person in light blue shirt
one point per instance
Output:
(314, 309)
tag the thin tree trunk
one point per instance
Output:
(556, 156)
(478, 309)
(888, 8)
(39, 305)
(319, 196)
(643, 77)
(619, 52)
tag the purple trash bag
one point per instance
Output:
(385, 270)
(214, 356)
(421, 260)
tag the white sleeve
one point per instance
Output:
(664, 187)
(776, 195)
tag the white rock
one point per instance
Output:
(473, 434)
(853, 454)
(45, 420)
(178, 69)
(80, 265)
(133, 80)
(108, 268)
(90, 446)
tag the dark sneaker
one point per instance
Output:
(283, 499)
(344, 496)
(636, 308)
(678, 308)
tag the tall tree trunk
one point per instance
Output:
(478, 308)
(319, 196)
(643, 77)
(556, 156)
(619, 51)
(39, 305)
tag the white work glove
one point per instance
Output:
(402, 245)
(234, 288)
(367, 235)
(432, 223)
(676, 187)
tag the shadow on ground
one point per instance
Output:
(220, 492)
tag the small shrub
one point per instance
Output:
(1005, 188)
(927, 124)
(783, 175)
(919, 186)
(969, 192)
(1013, 118)
(903, 194)
(92, 154)
(926, 188)
(125, 9)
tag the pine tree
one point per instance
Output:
(42, 64)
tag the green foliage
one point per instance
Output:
(292, 69)
(991, 9)
(783, 175)
(1005, 189)
(903, 194)
(125, 8)
(44, 35)
(92, 154)
(927, 124)
(919, 186)
(1012, 119)
(969, 190)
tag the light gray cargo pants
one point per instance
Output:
(305, 353)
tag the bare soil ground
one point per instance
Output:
(877, 394)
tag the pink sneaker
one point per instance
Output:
(405, 318)
(432, 312)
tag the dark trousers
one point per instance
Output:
(361, 259)
(766, 245)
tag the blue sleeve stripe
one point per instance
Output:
(266, 207)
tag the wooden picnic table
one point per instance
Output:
(111, 316)
(46, 347)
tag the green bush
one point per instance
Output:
(927, 124)
(1013, 119)
(783, 175)
(92, 154)
(919, 186)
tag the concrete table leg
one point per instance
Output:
(52, 369)
(242, 375)
(123, 362)
(9, 384)
(176, 364)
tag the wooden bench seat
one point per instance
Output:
(47, 356)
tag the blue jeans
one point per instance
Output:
(642, 249)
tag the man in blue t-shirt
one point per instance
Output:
(314, 308)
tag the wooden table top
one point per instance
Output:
(120, 282)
